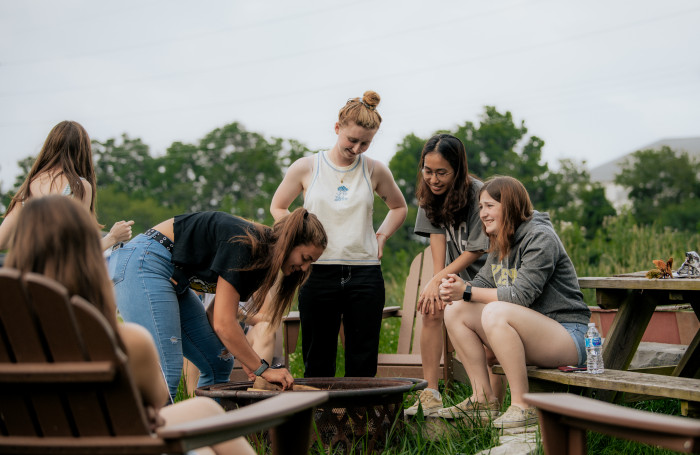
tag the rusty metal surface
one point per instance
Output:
(359, 410)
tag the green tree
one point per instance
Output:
(662, 185)
(404, 166)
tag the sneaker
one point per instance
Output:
(427, 400)
(468, 408)
(516, 417)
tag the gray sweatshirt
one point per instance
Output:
(537, 273)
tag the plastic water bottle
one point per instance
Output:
(594, 350)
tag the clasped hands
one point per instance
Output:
(452, 288)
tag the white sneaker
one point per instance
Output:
(468, 408)
(516, 417)
(428, 402)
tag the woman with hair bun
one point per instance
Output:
(157, 273)
(338, 186)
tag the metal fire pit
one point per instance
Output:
(357, 408)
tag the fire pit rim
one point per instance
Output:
(409, 384)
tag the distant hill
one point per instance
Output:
(605, 173)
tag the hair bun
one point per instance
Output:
(371, 99)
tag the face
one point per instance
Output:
(301, 258)
(353, 140)
(437, 173)
(490, 213)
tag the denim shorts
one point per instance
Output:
(578, 333)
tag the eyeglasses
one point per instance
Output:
(439, 174)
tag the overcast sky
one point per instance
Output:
(594, 79)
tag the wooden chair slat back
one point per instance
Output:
(425, 276)
(421, 272)
(20, 338)
(123, 409)
(54, 314)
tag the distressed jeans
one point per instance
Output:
(141, 272)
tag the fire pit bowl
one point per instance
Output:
(357, 408)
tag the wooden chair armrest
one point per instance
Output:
(571, 405)
(246, 420)
(564, 410)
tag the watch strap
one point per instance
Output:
(263, 366)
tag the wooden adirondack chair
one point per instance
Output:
(565, 418)
(406, 362)
(65, 386)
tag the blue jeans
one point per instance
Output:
(141, 272)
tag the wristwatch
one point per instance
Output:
(264, 366)
(467, 295)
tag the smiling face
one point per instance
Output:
(353, 140)
(491, 213)
(437, 173)
(301, 258)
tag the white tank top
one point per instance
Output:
(343, 200)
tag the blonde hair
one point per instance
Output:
(57, 237)
(362, 111)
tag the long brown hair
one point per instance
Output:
(271, 247)
(57, 237)
(515, 206)
(444, 209)
(68, 151)
(362, 111)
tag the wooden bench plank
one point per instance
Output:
(652, 385)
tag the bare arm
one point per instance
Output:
(387, 189)
(144, 364)
(225, 324)
(7, 227)
(294, 182)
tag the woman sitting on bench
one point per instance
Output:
(58, 238)
(525, 304)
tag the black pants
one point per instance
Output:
(355, 294)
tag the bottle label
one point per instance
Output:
(592, 342)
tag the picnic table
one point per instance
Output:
(636, 297)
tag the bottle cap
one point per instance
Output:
(591, 324)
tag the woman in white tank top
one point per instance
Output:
(346, 282)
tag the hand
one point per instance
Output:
(429, 300)
(154, 418)
(279, 376)
(452, 288)
(381, 241)
(121, 231)
(250, 373)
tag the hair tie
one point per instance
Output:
(306, 214)
(371, 108)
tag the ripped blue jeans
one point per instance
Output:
(141, 272)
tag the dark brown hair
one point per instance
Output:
(67, 150)
(271, 247)
(444, 209)
(57, 237)
(361, 111)
(515, 206)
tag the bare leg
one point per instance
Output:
(200, 407)
(519, 336)
(463, 322)
(431, 347)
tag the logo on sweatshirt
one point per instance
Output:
(503, 276)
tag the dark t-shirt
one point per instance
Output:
(205, 250)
